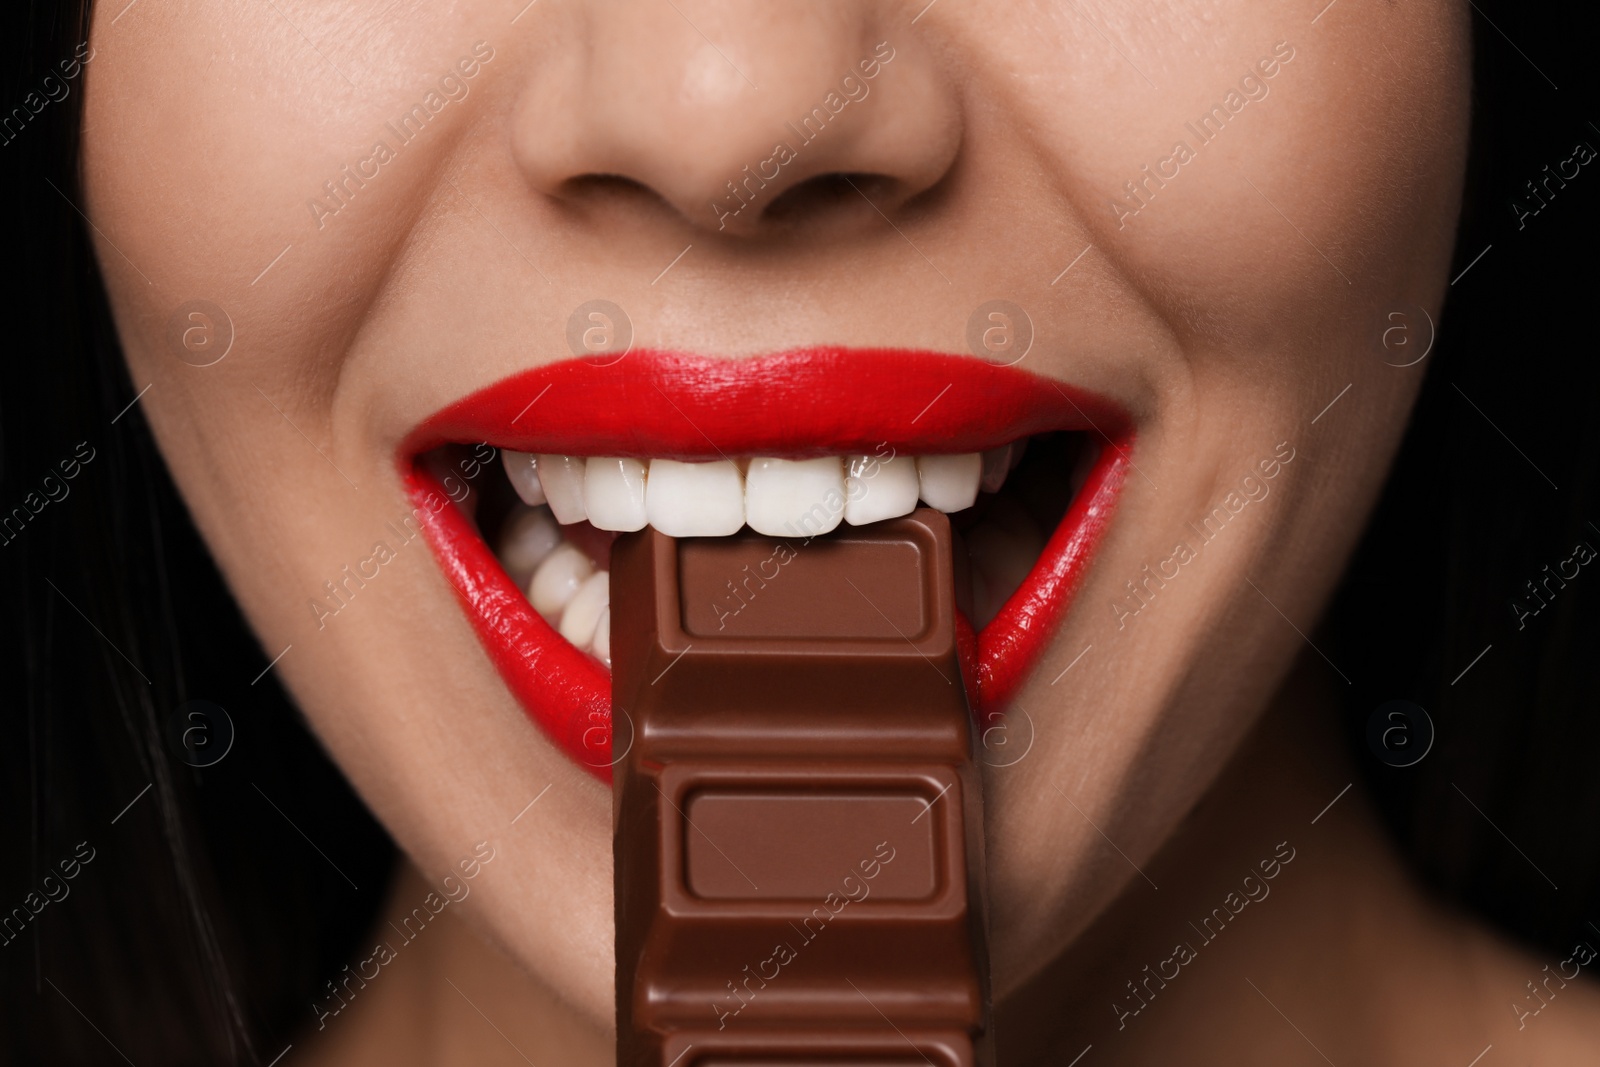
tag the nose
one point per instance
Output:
(741, 116)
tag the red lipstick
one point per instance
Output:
(801, 403)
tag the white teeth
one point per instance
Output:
(796, 497)
(613, 493)
(556, 581)
(950, 483)
(775, 497)
(583, 611)
(996, 465)
(522, 469)
(527, 538)
(695, 499)
(878, 488)
(561, 478)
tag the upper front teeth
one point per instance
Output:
(613, 493)
(562, 478)
(878, 488)
(790, 496)
(521, 468)
(695, 499)
(773, 496)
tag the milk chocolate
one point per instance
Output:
(798, 830)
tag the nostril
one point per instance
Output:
(832, 194)
(836, 195)
(607, 189)
(660, 126)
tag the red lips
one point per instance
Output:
(807, 402)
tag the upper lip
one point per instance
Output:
(798, 403)
(805, 402)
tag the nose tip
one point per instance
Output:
(738, 116)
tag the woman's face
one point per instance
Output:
(1209, 214)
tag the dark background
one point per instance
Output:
(202, 927)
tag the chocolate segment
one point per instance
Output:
(798, 829)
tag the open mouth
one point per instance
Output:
(522, 487)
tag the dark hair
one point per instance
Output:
(1456, 600)
(202, 924)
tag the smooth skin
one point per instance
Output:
(1226, 314)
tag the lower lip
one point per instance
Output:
(568, 694)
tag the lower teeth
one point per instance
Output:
(561, 583)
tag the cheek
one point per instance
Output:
(198, 170)
(212, 130)
(1340, 184)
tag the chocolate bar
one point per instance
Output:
(798, 825)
